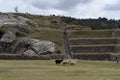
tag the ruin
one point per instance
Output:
(92, 41)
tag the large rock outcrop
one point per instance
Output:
(12, 28)
(29, 52)
(16, 24)
(11, 19)
(8, 37)
(43, 46)
(27, 46)
(17, 29)
(6, 42)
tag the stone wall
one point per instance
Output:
(92, 41)
(89, 36)
(93, 49)
(101, 41)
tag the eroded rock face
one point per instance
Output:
(24, 43)
(16, 24)
(17, 29)
(6, 41)
(8, 37)
(43, 46)
(11, 19)
(34, 47)
(13, 26)
(29, 52)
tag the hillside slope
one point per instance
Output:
(47, 28)
(17, 26)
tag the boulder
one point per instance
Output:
(24, 43)
(29, 52)
(43, 47)
(34, 46)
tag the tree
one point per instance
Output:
(76, 22)
(16, 9)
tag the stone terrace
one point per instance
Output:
(94, 41)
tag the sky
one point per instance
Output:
(74, 8)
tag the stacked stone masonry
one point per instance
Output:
(97, 43)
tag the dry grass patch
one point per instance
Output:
(48, 70)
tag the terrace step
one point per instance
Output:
(90, 36)
(93, 33)
(94, 48)
(93, 41)
(95, 45)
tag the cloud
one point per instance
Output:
(86, 10)
(58, 4)
(115, 7)
(70, 4)
(74, 8)
(43, 4)
(8, 5)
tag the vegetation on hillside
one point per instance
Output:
(58, 22)
(51, 27)
(100, 23)
(44, 21)
(52, 35)
(93, 32)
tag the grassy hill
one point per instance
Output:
(46, 28)
(54, 35)
(44, 21)
(51, 28)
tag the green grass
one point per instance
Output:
(93, 32)
(95, 45)
(44, 21)
(53, 35)
(96, 38)
(48, 70)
